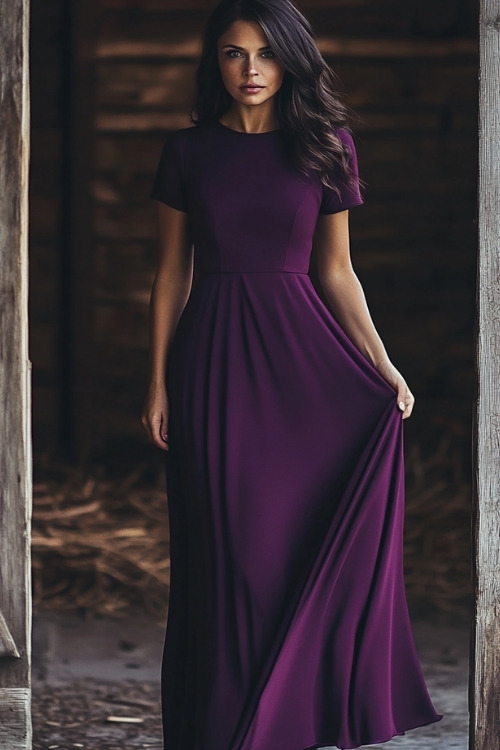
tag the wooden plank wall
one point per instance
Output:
(45, 209)
(410, 73)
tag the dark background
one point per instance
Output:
(109, 80)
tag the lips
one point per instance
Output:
(250, 87)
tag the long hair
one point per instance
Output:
(308, 105)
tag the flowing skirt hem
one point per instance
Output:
(326, 745)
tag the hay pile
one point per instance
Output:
(102, 546)
(99, 545)
(438, 529)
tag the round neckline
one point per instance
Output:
(242, 132)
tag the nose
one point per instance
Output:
(250, 68)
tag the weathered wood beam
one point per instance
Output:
(130, 122)
(140, 122)
(331, 46)
(208, 5)
(485, 672)
(7, 644)
(15, 717)
(15, 377)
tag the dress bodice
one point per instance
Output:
(249, 209)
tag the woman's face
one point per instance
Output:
(250, 71)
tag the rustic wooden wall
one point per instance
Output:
(410, 73)
(46, 196)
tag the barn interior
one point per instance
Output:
(109, 80)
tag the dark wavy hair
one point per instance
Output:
(309, 107)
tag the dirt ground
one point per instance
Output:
(96, 684)
(97, 716)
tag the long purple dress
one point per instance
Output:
(288, 625)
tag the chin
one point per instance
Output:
(252, 99)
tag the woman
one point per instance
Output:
(281, 415)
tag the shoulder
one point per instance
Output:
(175, 140)
(178, 145)
(183, 143)
(188, 135)
(346, 138)
(184, 134)
(346, 193)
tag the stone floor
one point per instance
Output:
(96, 684)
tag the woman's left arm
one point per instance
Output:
(347, 301)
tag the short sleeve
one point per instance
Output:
(350, 196)
(169, 184)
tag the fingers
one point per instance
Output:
(164, 431)
(405, 400)
(156, 430)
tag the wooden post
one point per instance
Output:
(15, 422)
(485, 669)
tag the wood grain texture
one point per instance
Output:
(15, 719)
(329, 46)
(79, 235)
(443, 18)
(7, 644)
(485, 676)
(15, 456)
(15, 422)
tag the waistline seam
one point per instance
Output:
(221, 273)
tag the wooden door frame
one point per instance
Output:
(484, 690)
(15, 383)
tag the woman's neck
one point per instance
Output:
(250, 119)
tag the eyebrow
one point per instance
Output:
(268, 46)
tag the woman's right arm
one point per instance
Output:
(170, 292)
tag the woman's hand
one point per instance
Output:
(155, 416)
(404, 396)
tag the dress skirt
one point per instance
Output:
(288, 625)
